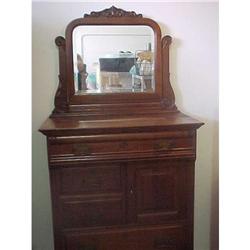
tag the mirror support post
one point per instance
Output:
(168, 93)
(61, 97)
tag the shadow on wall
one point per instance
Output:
(214, 226)
(208, 135)
(207, 176)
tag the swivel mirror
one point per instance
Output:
(114, 58)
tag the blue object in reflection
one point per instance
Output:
(91, 81)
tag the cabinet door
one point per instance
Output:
(159, 191)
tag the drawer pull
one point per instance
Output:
(87, 248)
(81, 149)
(164, 243)
(123, 145)
(97, 218)
(93, 183)
(163, 145)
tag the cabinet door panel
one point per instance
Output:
(156, 189)
(90, 179)
(159, 191)
(154, 238)
(85, 213)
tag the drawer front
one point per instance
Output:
(95, 212)
(138, 239)
(85, 149)
(90, 179)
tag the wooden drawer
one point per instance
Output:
(90, 179)
(154, 238)
(131, 146)
(95, 212)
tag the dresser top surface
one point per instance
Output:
(73, 125)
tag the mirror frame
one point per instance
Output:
(67, 101)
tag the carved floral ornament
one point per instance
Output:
(113, 12)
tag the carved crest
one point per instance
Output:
(113, 12)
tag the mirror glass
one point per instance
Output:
(113, 59)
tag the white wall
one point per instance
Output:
(87, 40)
(194, 77)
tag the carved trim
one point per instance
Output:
(60, 41)
(124, 156)
(60, 102)
(166, 41)
(113, 12)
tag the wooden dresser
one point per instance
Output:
(121, 169)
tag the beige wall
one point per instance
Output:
(194, 77)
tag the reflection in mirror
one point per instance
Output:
(113, 58)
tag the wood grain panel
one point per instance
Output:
(90, 179)
(167, 238)
(95, 212)
(123, 146)
(160, 191)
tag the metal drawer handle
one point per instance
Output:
(163, 145)
(87, 248)
(96, 218)
(81, 149)
(164, 243)
(123, 145)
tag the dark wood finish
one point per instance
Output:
(157, 237)
(121, 177)
(113, 12)
(93, 179)
(160, 191)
